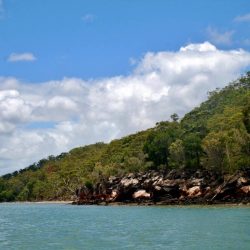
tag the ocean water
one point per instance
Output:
(60, 226)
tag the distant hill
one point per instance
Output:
(215, 135)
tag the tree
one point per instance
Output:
(157, 144)
(174, 117)
(177, 154)
(193, 150)
(246, 116)
(227, 146)
(214, 149)
(6, 196)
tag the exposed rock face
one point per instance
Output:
(174, 187)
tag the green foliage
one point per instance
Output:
(193, 150)
(7, 195)
(177, 154)
(227, 143)
(214, 135)
(174, 117)
(159, 140)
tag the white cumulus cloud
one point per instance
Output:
(82, 112)
(243, 18)
(224, 38)
(13, 110)
(22, 57)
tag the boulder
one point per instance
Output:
(131, 175)
(141, 194)
(129, 182)
(113, 179)
(194, 191)
(241, 181)
(245, 189)
(158, 188)
(170, 187)
(114, 195)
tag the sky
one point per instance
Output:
(79, 72)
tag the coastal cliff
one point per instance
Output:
(173, 187)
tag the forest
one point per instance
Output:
(214, 136)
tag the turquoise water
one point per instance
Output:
(57, 226)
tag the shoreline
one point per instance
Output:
(133, 204)
(164, 204)
(37, 202)
(177, 187)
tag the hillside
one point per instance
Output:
(214, 136)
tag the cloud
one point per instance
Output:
(83, 112)
(23, 57)
(199, 47)
(224, 38)
(13, 110)
(242, 18)
(88, 18)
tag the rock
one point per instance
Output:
(183, 188)
(129, 182)
(171, 187)
(158, 188)
(147, 181)
(196, 182)
(245, 189)
(141, 194)
(173, 174)
(241, 181)
(131, 175)
(114, 194)
(158, 182)
(194, 191)
(172, 183)
(156, 178)
(112, 179)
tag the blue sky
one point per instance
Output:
(77, 72)
(90, 39)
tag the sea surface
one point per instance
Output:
(61, 226)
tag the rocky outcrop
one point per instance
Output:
(173, 187)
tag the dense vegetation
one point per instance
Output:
(215, 135)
